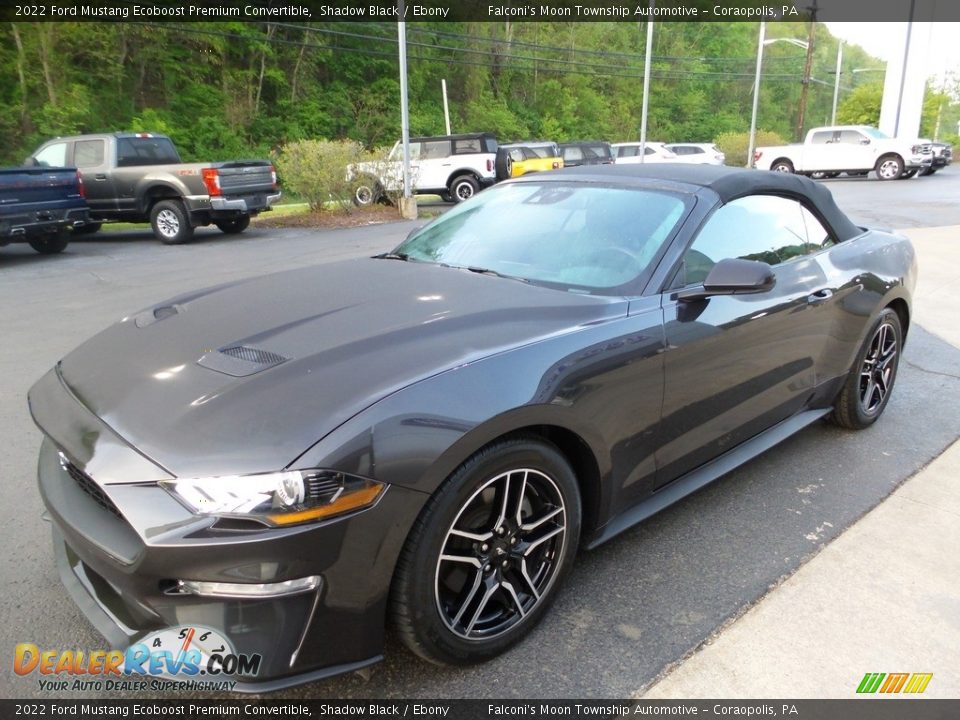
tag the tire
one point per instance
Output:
(51, 244)
(170, 222)
(907, 174)
(927, 171)
(463, 187)
(500, 164)
(234, 226)
(368, 192)
(782, 165)
(87, 229)
(868, 387)
(515, 553)
(889, 167)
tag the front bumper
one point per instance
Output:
(120, 559)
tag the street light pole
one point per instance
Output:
(408, 207)
(756, 96)
(646, 86)
(836, 85)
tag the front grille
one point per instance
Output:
(90, 487)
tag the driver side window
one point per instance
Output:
(767, 228)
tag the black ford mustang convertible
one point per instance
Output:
(426, 437)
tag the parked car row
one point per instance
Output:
(854, 150)
(78, 183)
(456, 167)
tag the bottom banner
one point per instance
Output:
(854, 709)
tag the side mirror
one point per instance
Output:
(31, 162)
(865, 141)
(732, 276)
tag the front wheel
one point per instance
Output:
(51, 244)
(889, 167)
(487, 554)
(907, 174)
(234, 226)
(170, 222)
(867, 389)
(463, 188)
(927, 171)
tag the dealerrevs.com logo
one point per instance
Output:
(187, 657)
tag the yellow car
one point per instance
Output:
(523, 159)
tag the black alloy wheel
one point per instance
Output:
(868, 387)
(488, 552)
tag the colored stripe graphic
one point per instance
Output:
(894, 682)
(918, 682)
(870, 682)
(914, 683)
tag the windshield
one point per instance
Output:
(582, 237)
(876, 134)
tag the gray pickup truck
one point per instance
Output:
(139, 177)
(40, 206)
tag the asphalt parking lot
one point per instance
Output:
(628, 610)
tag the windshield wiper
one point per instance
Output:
(392, 256)
(488, 271)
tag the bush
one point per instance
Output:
(315, 170)
(735, 144)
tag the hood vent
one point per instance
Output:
(149, 317)
(241, 360)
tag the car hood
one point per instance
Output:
(245, 377)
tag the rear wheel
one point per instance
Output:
(867, 389)
(234, 226)
(782, 165)
(51, 244)
(367, 192)
(170, 222)
(487, 554)
(463, 187)
(889, 167)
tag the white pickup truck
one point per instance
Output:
(853, 149)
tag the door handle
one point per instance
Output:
(820, 296)
(99, 176)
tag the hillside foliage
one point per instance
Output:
(236, 89)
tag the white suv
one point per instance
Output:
(698, 153)
(455, 167)
(628, 153)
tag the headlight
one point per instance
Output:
(281, 498)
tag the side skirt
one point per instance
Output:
(705, 474)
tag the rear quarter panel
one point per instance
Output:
(866, 273)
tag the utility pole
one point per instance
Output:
(836, 84)
(806, 70)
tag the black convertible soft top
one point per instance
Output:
(729, 184)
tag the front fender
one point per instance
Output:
(603, 384)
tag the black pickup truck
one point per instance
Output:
(139, 177)
(40, 206)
